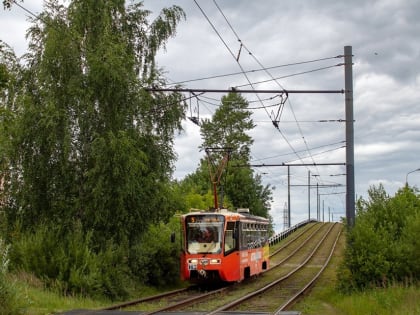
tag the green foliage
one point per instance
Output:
(69, 263)
(116, 159)
(197, 192)
(410, 250)
(194, 200)
(10, 300)
(9, 84)
(66, 261)
(383, 246)
(228, 129)
(155, 260)
(82, 141)
(395, 299)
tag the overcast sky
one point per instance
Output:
(275, 34)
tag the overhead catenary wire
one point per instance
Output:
(291, 75)
(237, 60)
(300, 121)
(217, 76)
(259, 63)
(230, 51)
(280, 109)
(268, 172)
(286, 154)
(319, 153)
(265, 106)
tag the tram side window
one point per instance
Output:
(264, 234)
(244, 236)
(253, 235)
(230, 241)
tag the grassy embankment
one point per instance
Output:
(34, 299)
(325, 299)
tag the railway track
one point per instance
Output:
(293, 262)
(288, 242)
(177, 301)
(277, 295)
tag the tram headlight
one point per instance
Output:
(215, 261)
(193, 261)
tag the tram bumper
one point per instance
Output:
(204, 269)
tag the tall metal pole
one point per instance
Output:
(309, 195)
(288, 195)
(348, 78)
(317, 201)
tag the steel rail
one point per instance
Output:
(291, 255)
(186, 302)
(195, 299)
(310, 283)
(274, 283)
(145, 299)
(291, 241)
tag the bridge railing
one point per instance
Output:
(282, 235)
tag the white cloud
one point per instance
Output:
(372, 151)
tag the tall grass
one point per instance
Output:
(65, 261)
(326, 299)
(50, 301)
(10, 301)
(393, 300)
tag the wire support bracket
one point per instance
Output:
(235, 90)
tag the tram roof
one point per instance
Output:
(232, 215)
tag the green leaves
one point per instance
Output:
(83, 141)
(241, 188)
(88, 142)
(155, 260)
(228, 127)
(383, 246)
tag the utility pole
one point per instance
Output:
(317, 201)
(288, 195)
(309, 195)
(286, 224)
(348, 78)
(348, 91)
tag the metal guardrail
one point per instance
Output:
(282, 235)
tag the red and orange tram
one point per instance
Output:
(223, 245)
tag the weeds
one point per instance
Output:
(9, 298)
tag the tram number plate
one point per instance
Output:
(192, 267)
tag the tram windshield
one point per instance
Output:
(204, 233)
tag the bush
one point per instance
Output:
(411, 246)
(68, 262)
(71, 263)
(384, 244)
(154, 259)
(9, 299)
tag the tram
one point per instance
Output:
(222, 245)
